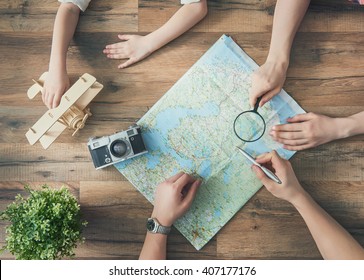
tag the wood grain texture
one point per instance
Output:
(325, 76)
(38, 16)
(268, 223)
(255, 16)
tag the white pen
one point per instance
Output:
(267, 172)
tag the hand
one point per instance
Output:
(174, 197)
(306, 131)
(267, 81)
(134, 48)
(290, 189)
(55, 85)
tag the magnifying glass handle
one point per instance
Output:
(256, 106)
(271, 175)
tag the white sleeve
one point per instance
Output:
(189, 1)
(82, 4)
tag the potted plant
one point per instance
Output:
(44, 226)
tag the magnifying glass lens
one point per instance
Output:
(249, 126)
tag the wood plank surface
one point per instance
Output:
(255, 16)
(325, 76)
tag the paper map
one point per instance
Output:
(191, 129)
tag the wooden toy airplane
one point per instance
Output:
(71, 112)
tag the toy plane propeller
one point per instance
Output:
(72, 112)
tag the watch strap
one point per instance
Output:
(158, 228)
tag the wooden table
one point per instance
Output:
(325, 76)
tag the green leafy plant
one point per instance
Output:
(45, 225)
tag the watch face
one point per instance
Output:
(150, 224)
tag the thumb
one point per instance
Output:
(261, 175)
(130, 61)
(299, 118)
(191, 195)
(124, 37)
(268, 96)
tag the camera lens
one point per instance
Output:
(118, 148)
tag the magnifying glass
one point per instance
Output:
(249, 126)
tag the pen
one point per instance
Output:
(267, 172)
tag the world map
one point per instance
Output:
(190, 129)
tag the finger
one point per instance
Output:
(255, 93)
(300, 118)
(290, 135)
(268, 96)
(277, 162)
(50, 101)
(288, 127)
(297, 147)
(175, 177)
(253, 99)
(264, 158)
(116, 56)
(261, 175)
(114, 50)
(43, 95)
(191, 194)
(125, 37)
(129, 62)
(182, 181)
(56, 100)
(114, 46)
(287, 142)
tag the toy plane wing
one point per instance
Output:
(54, 121)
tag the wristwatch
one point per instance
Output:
(154, 226)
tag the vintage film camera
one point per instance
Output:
(123, 145)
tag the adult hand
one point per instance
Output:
(306, 131)
(267, 81)
(133, 47)
(174, 197)
(290, 189)
(55, 85)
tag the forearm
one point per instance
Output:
(155, 247)
(288, 15)
(64, 28)
(350, 126)
(332, 240)
(184, 19)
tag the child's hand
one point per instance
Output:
(55, 85)
(134, 48)
(174, 197)
(267, 81)
(306, 131)
(290, 189)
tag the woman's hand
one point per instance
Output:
(55, 85)
(290, 189)
(174, 197)
(267, 81)
(308, 130)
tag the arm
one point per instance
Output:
(154, 247)
(310, 130)
(268, 80)
(57, 81)
(332, 240)
(135, 47)
(173, 198)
